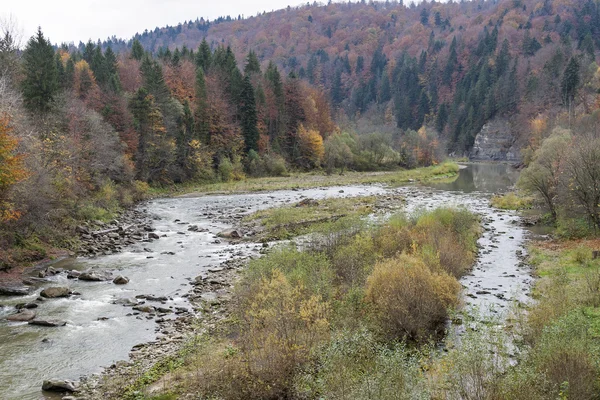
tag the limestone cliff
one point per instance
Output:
(496, 142)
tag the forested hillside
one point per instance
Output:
(453, 66)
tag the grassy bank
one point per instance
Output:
(444, 171)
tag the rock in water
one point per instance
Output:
(14, 290)
(146, 309)
(153, 235)
(59, 386)
(54, 292)
(48, 322)
(231, 234)
(127, 301)
(121, 280)
(23, 316)
(93, 276)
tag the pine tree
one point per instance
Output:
(60, 70)
(570, 81)
(185, 136)
(137, 51)
(252, 64)
(88, 52)
(204, 56)
(337, 95)
(98, 66)
(202, 125)
(249, 118)
(69, 73)
(41, 76)
(451, 64)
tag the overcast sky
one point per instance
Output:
(72, 21)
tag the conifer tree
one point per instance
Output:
(41, 76)
(204, 56)
(252, 64)
(202, 126)
(249, 118)
(137, 51)
(570, 81)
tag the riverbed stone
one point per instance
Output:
(55, 291)
(50, 322)
(22, 316)
(93, 277)
(153, 235)
(14, 290)
(121, 280)
(57, 385)
(144, 308)
(231, 234)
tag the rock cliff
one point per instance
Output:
(496, 142)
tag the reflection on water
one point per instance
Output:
(485, 178)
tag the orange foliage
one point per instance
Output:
(180, 80)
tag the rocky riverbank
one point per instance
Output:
(209, 297)
(98, 238)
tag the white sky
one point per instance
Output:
(72, 21)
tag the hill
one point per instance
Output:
(454, 66)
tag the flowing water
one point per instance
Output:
(100, 333)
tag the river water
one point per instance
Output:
(99, 333)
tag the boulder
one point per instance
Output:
(143, 308)
(54, 292)
(73, 274)
(55, 385)
(48, 322)
(127, 301)
(230, 234)
(23, 316)
(93, 276)
(153, 235)
(14, 290)
(121, 280)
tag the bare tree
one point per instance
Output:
(542, 177)
(582, 174)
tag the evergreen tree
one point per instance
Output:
(88, 52)
(451, 64)
(385, 90)
(337, 95)
(141, 106)
(60, 70)
(249, 118)
(204, 56)
(98, 66)
(202, 125)
(137, 51)
(184, 137)
(570, 81)
(69, 73)
(41, 76)
(252, 64)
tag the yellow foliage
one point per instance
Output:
(279, 328)
(311, 149)
(411, 300)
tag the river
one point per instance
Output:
(99, 332)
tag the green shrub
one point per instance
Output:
(567, 353)
(353, 262)
(511, 201)
(354, 365)
(311, 270)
